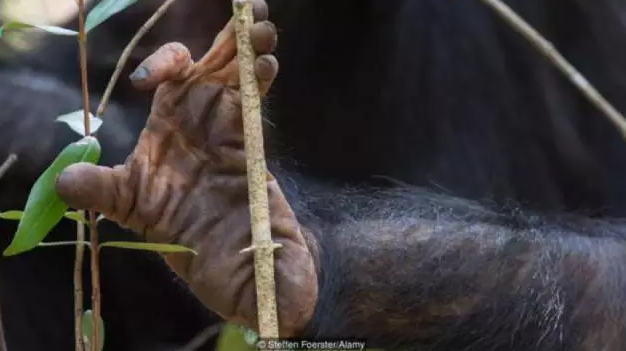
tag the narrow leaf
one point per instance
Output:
(9, 26)
(104, 10)
(76, 121)
(44, 209)
(14, 215)
(169, 248)
(76, 216)
(233, 337)
(87, 329)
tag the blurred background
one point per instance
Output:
(53, 12)
(39, 11)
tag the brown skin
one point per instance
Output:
(185, 182)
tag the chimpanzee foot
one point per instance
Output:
(185, 182)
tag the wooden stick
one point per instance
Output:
(262, 245)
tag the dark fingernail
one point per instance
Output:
(140, 73)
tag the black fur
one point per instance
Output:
(444, 96)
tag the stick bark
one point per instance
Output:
(262, 245)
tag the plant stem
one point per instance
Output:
(95, 282)
(126, 54)
(93, 234)
(78, 284)
(82, 47)
(8, 163)
(66, 243)
(80, 229)
(262, 245)
(3, 343)
(200, 339)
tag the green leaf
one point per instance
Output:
(250, 337)
(44, 209)
(13, 215)
(233, 337)
(166, 248)
(76, 121)
(104, 10)
(87, 326)
(14, 25)
(76, 216)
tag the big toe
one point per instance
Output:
(87, 186)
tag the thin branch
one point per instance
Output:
(95, 270)
(548, 50)
(80, 227)
(66, 243)
(126, 54)
(78, 282)
(199, 340)
(95, 282)
(8, 163)
(82, 57)
(93, 234)
(262, 244)
(3, 343)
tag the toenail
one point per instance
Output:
(140, 73)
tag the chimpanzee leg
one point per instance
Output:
(411, 270)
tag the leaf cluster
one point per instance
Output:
(44, 209)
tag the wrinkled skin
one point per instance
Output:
(186, 183)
